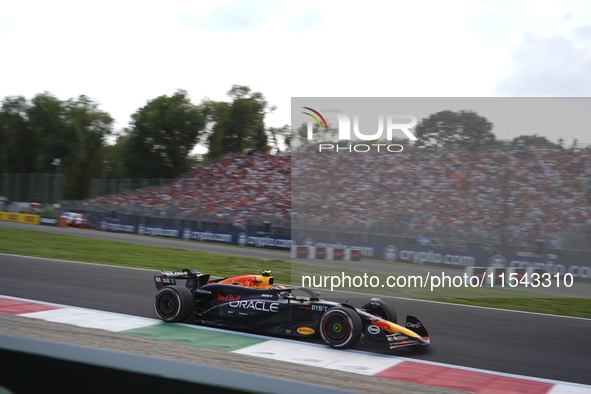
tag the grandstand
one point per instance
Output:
(500, 200)
(235, 190)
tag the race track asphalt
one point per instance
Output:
(544, 346)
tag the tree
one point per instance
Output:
(237, 125)
(448, 129)
(48, 119)
(18, 144)
(35, 133)
(218, 112)
(88, 126)
(113, 154)
(161, 137)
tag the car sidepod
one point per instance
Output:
(258, 310)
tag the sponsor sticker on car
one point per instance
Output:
(306, 330)
(168, 281)
(373, 329)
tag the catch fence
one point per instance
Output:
(32, 188)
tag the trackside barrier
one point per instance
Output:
(531, 270)
(478, 272)
(19, 217)
(320, 253)
(338, 253)
(330, 253)
(353, 255)
(48, 221)
(299, 252)
(493, 275)
(434, 257)
(496, 272)
(324, 253)
(64, 368)
(519, 273)
(266, 241)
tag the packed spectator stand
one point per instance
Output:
(237, 188)
(501, 199)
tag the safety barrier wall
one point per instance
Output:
(581, 270)
(324, 253)
(511, 276)
(19, 217)
(277, 242)
(48, 221)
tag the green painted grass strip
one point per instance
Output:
(196, 337)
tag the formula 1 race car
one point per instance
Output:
(254, 303)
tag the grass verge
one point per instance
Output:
(89, 250)
(564, 306)
(64, 247)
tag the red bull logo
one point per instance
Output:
(229, 297)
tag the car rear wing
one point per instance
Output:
(193, 277)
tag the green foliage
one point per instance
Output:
(113, 155)
(19, 143)
(48, 122)
(88, 126)
(161, 137)
(157, 144)
(237, 125)
(452, 129)
(35, 133)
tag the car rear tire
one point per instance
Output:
(340, 327)
(174, 304)
(381, 309)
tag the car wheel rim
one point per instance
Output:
(167, 305)
(336, 328)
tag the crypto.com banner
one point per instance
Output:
(488, 175)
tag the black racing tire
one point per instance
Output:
(381, 309)
(340, 327)
(174, 304)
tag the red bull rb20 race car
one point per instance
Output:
(254, 303)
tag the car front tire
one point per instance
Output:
(382, 309)
(340, 327)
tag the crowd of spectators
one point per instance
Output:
(508, 194)
(238, 188)
(486, 194)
